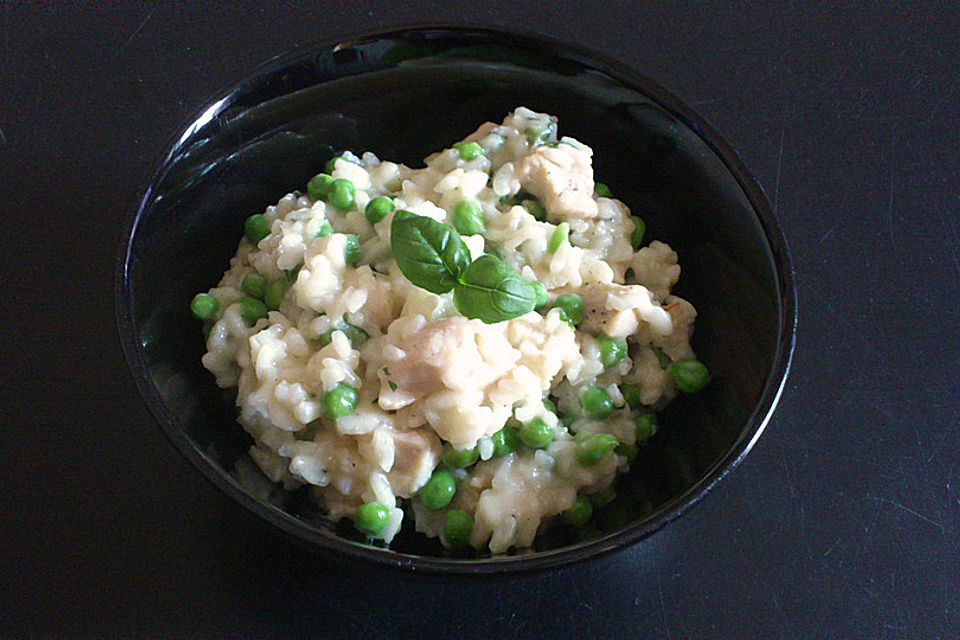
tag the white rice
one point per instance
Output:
(428, 376)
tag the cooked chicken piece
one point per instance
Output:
(562, 177)
(618, 310)
(421, 358)
(415, 455)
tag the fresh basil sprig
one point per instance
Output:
(491, 290)
(432, 256)
(429, 253)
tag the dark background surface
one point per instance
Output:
(843, 521)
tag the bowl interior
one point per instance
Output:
(403, 96)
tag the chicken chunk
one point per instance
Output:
(562, 177)
(618, 310)
(413, 456)
(422, 358)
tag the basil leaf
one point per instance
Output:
(492, 291)
(429, 253)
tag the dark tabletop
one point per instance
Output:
(842, 522)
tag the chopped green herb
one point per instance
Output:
(535, 209)
(662, 358)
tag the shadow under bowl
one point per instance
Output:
(408, 93)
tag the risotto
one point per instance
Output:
(479, 345)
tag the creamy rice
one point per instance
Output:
(427, 377)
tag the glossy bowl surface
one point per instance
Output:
(407, 93)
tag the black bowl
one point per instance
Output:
(403, 95)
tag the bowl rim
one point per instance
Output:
(327, 542)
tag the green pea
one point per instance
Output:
(341, 194)
(319, 186)
(459, 458)
(631, 395)
(253, 284)
(639, 228)
(468, 218)
(592, 449)
(371, 518)
(252, 310)
(204, 306)
(596, 402)
(690, 374)
(646, 425)
(505, 441)
(326, 229)
(601, 190)
(536, 433)
(351, 250)
(332, 163)
(572, 305)
(340, 401)
(273, 293)
(580, 513)
(541, 292)
(612, 350)
(560, 235)
(256, 228)
(535, 209)
(628, 451)
(458, 527)
(378, 209)
(438, 491)
(468, 150)
(603, 497)
(568, 419)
